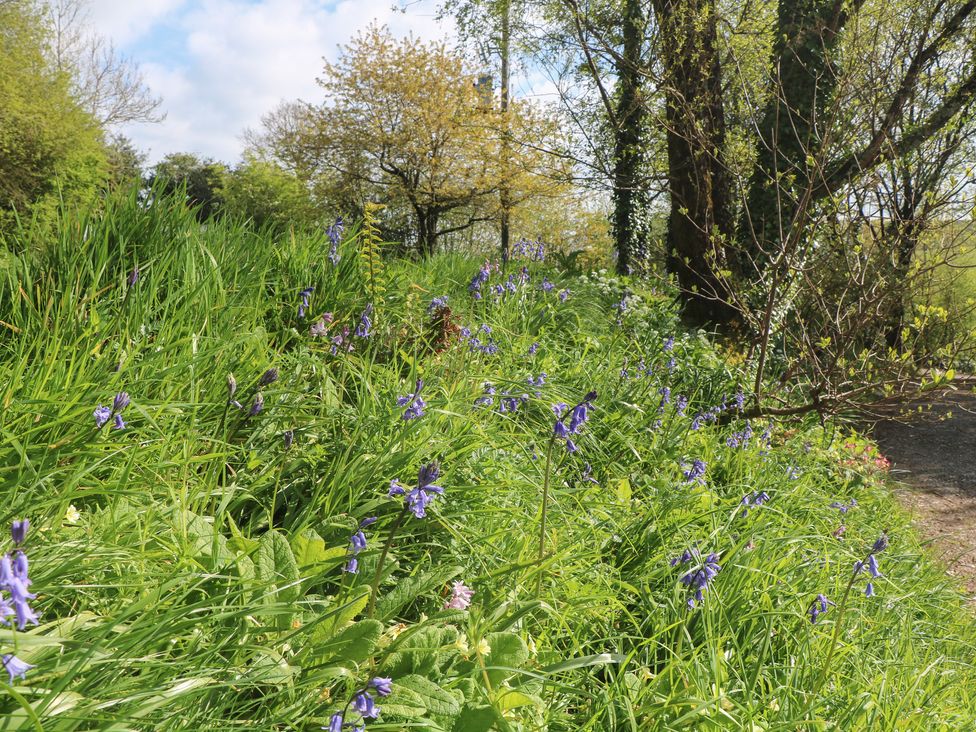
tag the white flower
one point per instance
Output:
(72, 515)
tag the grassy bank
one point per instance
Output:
(190, 569)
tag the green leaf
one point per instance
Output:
(353, 644)
(508, 653)
(410, 588)
(311, 552)
(276, 568)
(475, 719)
(434, 699)
(511, 699)
(341, 615)
(600, 659)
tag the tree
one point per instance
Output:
(265, 193)
(404, 124)
(612, 40)
(198, 179)
(106, 84)
(50, 147)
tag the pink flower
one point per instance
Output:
(460, 597)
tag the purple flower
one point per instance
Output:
(268, 377)
(118, 423)
(489, 396)
(547, 286)
(423, 495)
(18, 531)
(668, 344)
(303, 305)
(437, 303)
(396, 488)
(740, 400)
(577, 418)
(363, 703)
(335, 724)
(102, 415)
(334, 233)
(120, 402)
(414, 403)
(699, 577)
(480, 278)
(367, 522)
(696, 472)
(461, 596)
(818, 608)
(318, 329)
(752, 500)
(533, 348)
(15, 667)
(364, 329)
(881, 544)
(357, 542)
(351, 566)
(564, 295)
(14, 579)
(257, 405)
(133, 276)
(383, 686)
(418, 498)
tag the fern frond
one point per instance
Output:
(370, 254)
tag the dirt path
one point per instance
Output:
(934, 455)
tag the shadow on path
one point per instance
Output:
(933, 454)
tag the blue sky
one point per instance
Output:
(220, 64)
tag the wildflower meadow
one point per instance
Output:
(260, 481)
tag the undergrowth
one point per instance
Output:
(202, 567)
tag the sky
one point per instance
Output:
(219, 65)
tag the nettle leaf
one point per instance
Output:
(435, 700)
(475, 719)
(312, 555)
(511, 699)
(276, 568)
(410, 588)
(338, 617)
(508, 653)
(352, 645)
(420, 652)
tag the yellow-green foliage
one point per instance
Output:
(370, 245)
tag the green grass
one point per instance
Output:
(202, 586)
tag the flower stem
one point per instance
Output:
(545, 508)
(374, 590)
(835, 638)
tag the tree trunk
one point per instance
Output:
(804, 81)
(700, 220)
(426, 231)
(504, 196)
(628, 199)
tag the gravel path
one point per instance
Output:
(933, 454)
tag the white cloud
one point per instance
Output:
(127, 22)
(237, 60)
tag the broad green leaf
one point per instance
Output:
(508, 653)
(276, 568)
(410, 588)
(475, 719)
(434, 699)
(353, 644)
